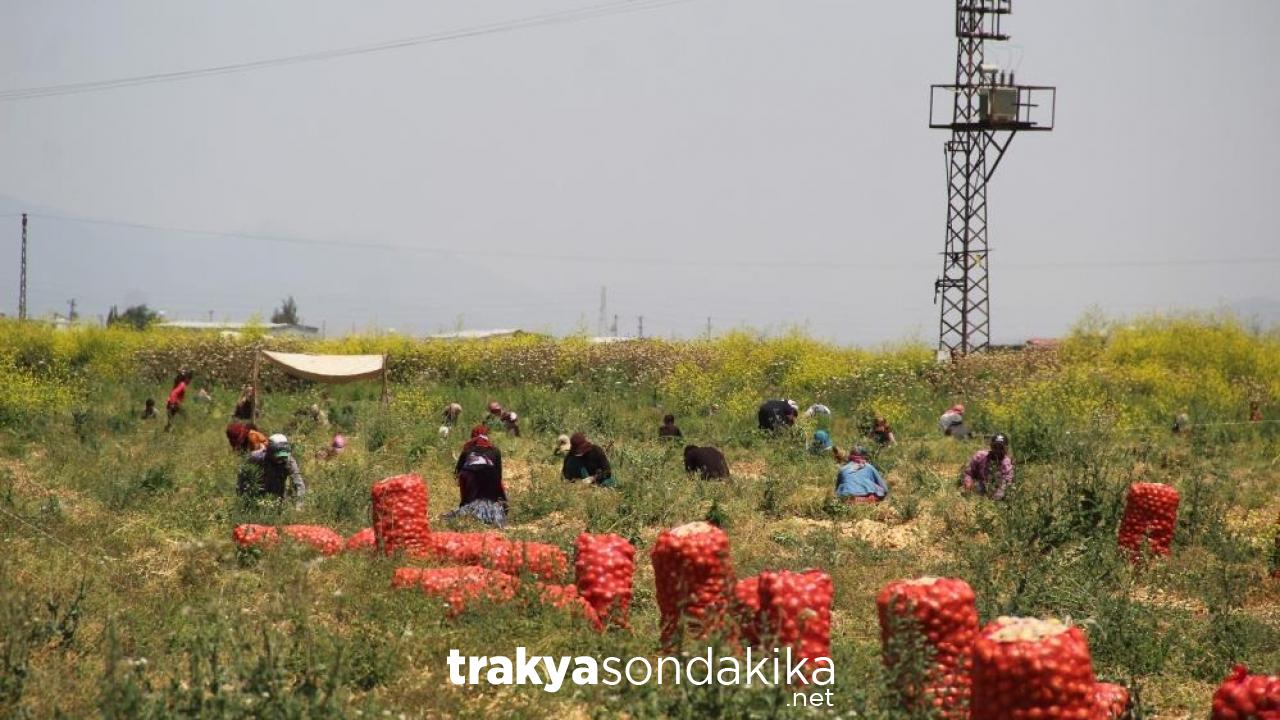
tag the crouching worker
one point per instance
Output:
(858, 481)
(587, 462)
(479, 471)
(990, 472)
(272, 471)
(708, 462)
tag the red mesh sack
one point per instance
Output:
(693, 575)
(943, 610)
(1112, 700)
(459, 586)
(400, 514)
(1024, 668)
(543, 561)
(603, 569)
(746, 608)
(1247, 697)
(495, 551)
(1150, 514)
(566, 597)
(247, 536)
(362, 540)
(321, 538)
(456, 547)
(796, 607)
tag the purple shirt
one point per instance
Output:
(982, 475)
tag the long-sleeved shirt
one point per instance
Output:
(708, 462)
(986, 477)
(860, 479)
(591, 464)
(273, 476)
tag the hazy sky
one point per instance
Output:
(762, 162)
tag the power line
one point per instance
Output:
(589, 12)
(662, 261)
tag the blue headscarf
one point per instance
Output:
(821, 441)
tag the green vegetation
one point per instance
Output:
(121, 593)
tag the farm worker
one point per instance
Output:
(881, 433)
(708, 462)
(273, 471)
(821, 443)
(176, 395)
(452, 412)
(244, 437)
(1181, 423)
(149, 409)
(247, 406)
(817, 409)
(336, 447)
(586, 461)
(858, 481)
(952, 423)
(479, 472)
(507, 419)
(990, 472)
(1255, 413)
(562, 446)
(777, 414)
(668, 429)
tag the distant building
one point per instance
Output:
(231, 329)
(475, 334)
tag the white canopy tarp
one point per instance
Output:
(328, 368)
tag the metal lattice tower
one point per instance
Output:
(987, 110)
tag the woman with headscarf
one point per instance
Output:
(951, 423)
(587, 462)
(881, 433)
(990, 472)
(858, 481)
(479, 472)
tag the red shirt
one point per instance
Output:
(178, 393)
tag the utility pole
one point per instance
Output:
(614, 329)
(987, 109)
(210, 316)
(71, 311)
(603, 310)
(641, 323)
(708, 327)
(22, 277)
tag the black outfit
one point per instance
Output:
(669, 431)
(776, 414)
(244, 410)
(592, 463)
(479, 472)
(706, 461)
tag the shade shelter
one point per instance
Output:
(325, 368)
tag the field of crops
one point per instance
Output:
(123, 594)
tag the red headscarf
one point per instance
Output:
(578, 443)
(479, 439)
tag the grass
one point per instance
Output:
(122, 595)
